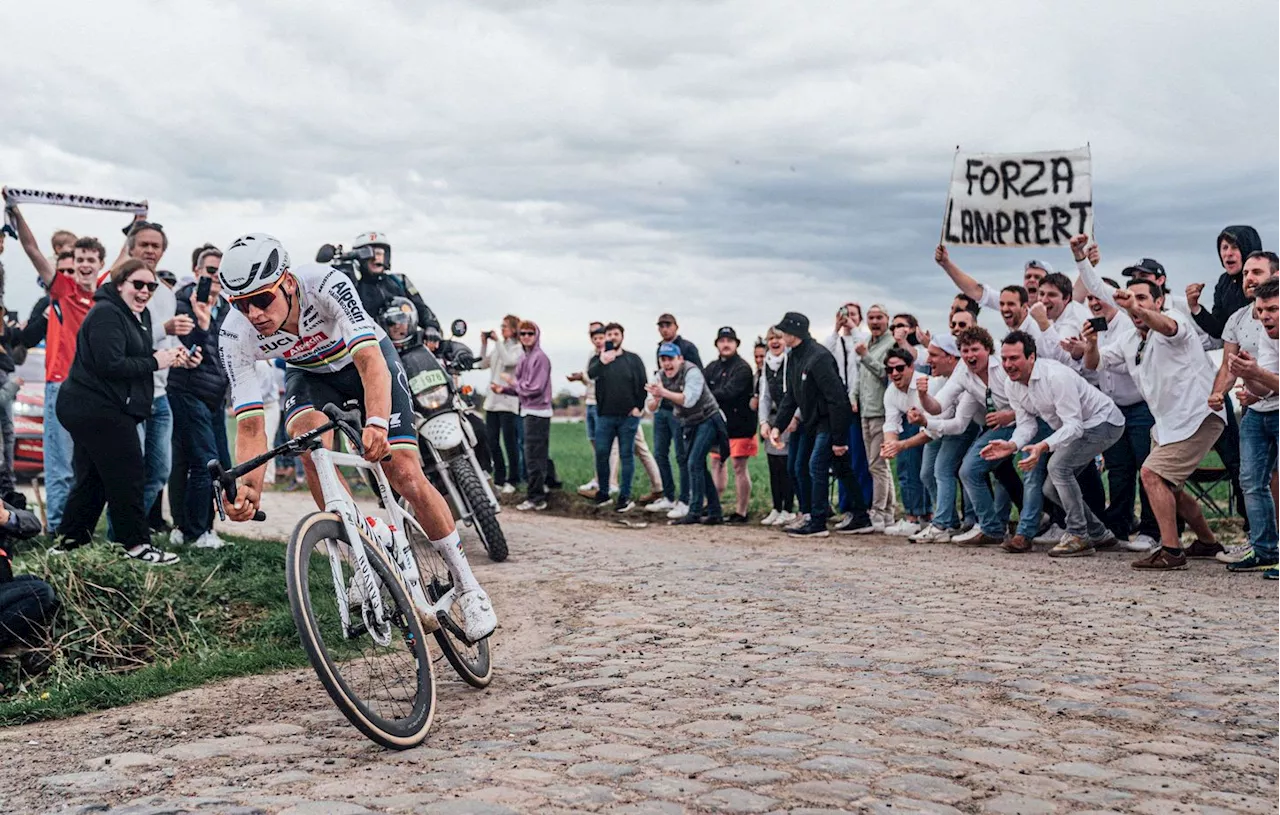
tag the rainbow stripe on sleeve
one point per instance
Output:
(360, 341)
(249, 410)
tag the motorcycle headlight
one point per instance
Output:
(434, 398)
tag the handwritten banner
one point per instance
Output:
(1019, 199)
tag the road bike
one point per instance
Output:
(364, 594)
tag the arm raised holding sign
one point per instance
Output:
(970, 287)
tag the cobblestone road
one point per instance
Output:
(649, 673)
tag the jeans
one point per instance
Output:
(157, 449)
(700, 440)
(928, 470)
(193, 423)
(621, 429)
(992, 509)
(520, 467)
(591, 422)
(1124, 461)
(915, 501)
(666, 428)
(537, 444)
(27, 607)
(823, 462)
(1257, 462)
(799, 449)
(861, 469)
(57, 457)
(500, 428)
(946, 468)
(1069, 461)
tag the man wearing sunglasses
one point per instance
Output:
(336, 354)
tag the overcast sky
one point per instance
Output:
(576, 161)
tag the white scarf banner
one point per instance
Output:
(62, 199)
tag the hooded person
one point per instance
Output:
(531, 383)
(1234, 244)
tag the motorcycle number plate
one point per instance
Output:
(425, 380)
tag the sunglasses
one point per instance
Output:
(212, 271)
(896, 326)
(893, 369)
(139, 285)
(261, 299)
(662, 325)
(959, 325)
(528, 333)
(1142, 346)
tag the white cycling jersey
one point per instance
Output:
(332, 326)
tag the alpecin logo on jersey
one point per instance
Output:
(306, 345)
(346, 297)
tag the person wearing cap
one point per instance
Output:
(501, 406)
(730, 380)
(666, 430)
(1034, 271)
(702, 424)
(620, 379)
(814, 388)
(870, 401)
(1235, 244)
(1085, 422)
(1165, 359)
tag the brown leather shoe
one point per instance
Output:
(982, 540)
(1017, 545)
(1161, 560)
(1202, 549)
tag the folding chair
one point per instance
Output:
(1202, 484)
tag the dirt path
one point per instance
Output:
(731, 670)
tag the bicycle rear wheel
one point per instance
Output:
(387, 691)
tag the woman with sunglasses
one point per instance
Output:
(107, 393)
(531, 384)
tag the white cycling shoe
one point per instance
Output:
(478, 620)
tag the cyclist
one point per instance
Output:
(334, 353)
(377, 285)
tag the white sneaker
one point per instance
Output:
(972, 534)
(798, 521)
(878, 524)
(1053, 535)
(176, 538)
(508, 488)
(589, 486)
(1234, 554)
(784, 518)
(902, 529)
(526, 505)
(478, 619)
(208, 540)
(678, 510)
(1140, 543)
(661, 505)
(769, 519)
(931, 534)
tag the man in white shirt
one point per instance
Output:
(1084, 422)
(904, 440)
(1166, 360)
(1261, 378)
(1248, 340)
(1068, 316)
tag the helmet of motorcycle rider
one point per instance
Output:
(431, 336)
(253, 263)
(376, 241)
(400, 320)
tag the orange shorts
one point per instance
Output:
(741, 448)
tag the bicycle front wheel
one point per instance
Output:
(378, 672)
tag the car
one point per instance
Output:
(28, 417)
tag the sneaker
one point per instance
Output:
(1204, 549)
(931, 534)
(508, 488)
(208, 540)
(737, 519)
(784, 518)
(679, 510)
(1271, 574)
(902, 529)
(660, 505)
(613, 491)
(147, 553)
(478, 619)
(881, 522)
(965, 537)
(687, 519)
(1107, 541)
(623, 505)
(811, 529)
(770, 519)
(711, 520)
(848, 526)
(1072, 546)
(526, 505)
(1252, 563)
(981, 539)
(1235, 554)
(967, 526)
(649, 497)
(176, 538)
(1052, 535)
(1140, 543)
(1161, 560)
(589, 489)
(1017, 545)
(600, 500)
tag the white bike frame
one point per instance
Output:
(339, 501)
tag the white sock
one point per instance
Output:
(450, 549)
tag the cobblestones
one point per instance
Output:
(642, 672)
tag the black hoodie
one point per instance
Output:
(1228, 294)
(813, 386)
(113, 364)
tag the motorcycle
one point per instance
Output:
(452, 439)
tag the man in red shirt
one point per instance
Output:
(70, 298)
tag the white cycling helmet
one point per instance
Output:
(378, 239)
(255, 261)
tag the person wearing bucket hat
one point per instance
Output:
(730, 380)
(814, 388)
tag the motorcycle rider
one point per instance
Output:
(377, 285)
(312, 318)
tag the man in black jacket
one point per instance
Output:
(732, 384)
(620, 378)
(197, 397)
(1234, 245)
(813, 386)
